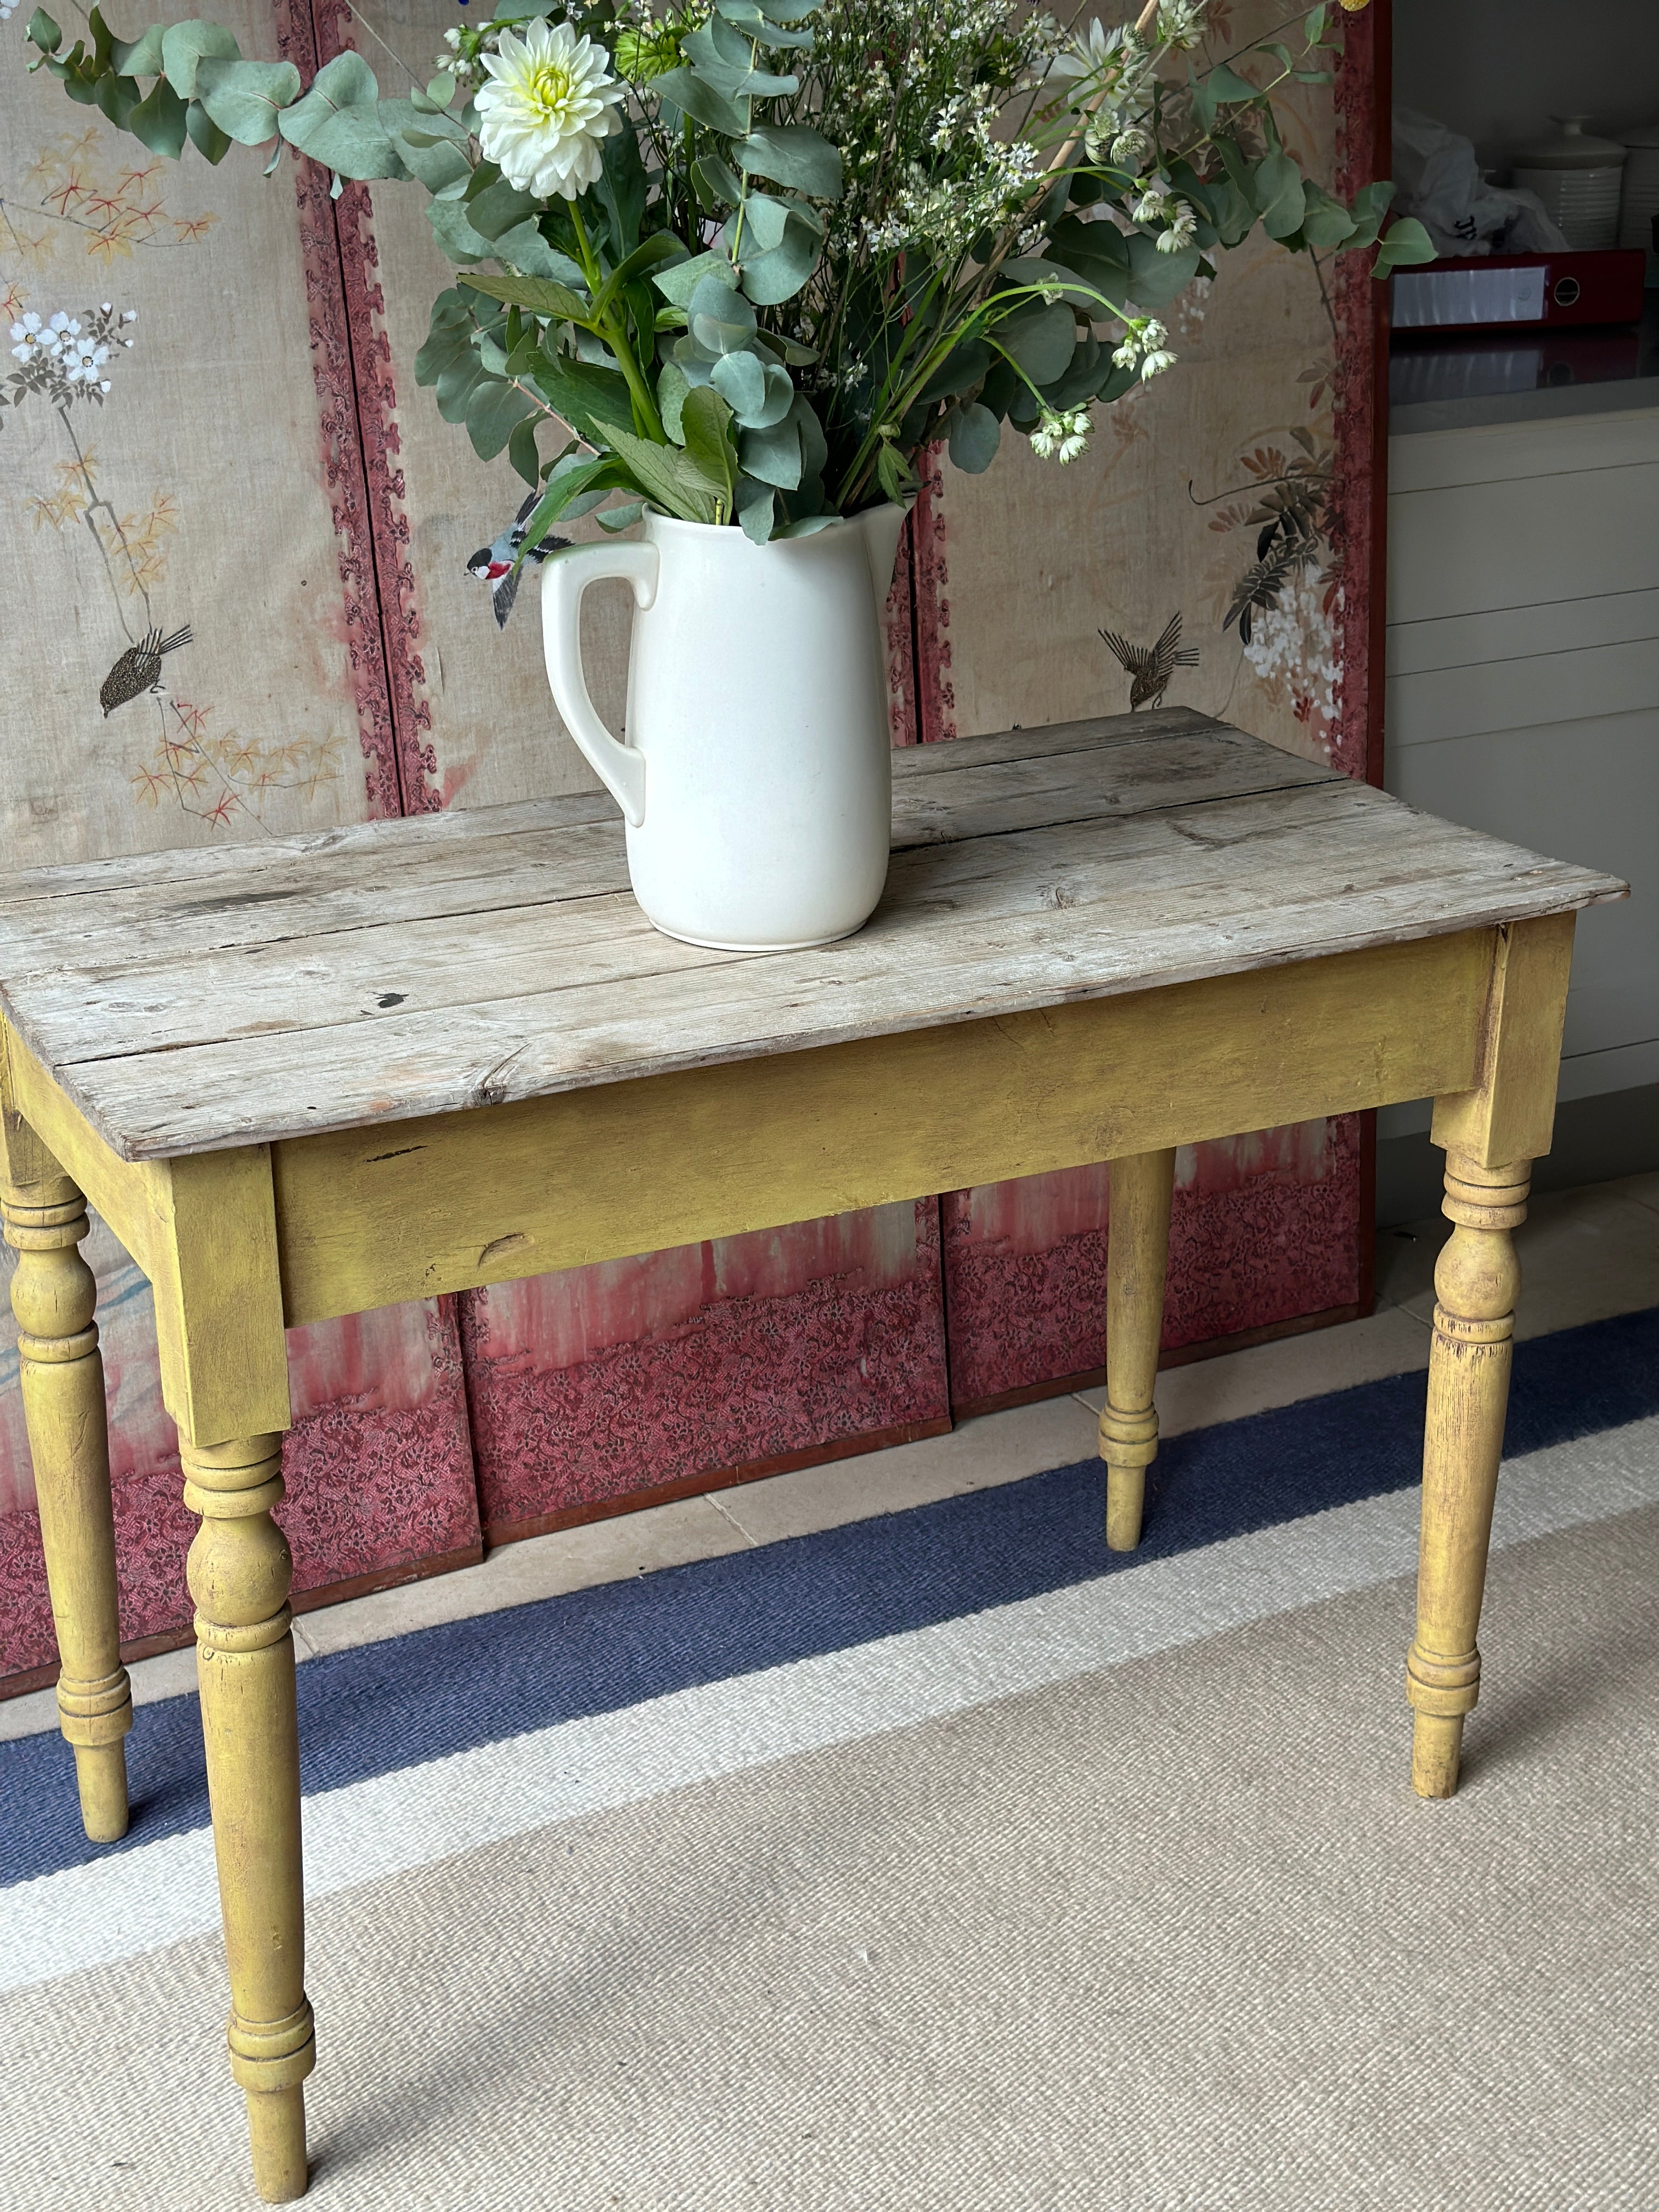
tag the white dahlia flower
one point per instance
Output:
(547, 105)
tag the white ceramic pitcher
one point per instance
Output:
(757, 780)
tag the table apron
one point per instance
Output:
(367, 1217)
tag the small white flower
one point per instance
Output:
(547, 107)
(1183, 227)
(82, 358)
(30, 341)
(1062, 435)
(1089, 53)
(1156, 363)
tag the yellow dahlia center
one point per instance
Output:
(550, 89)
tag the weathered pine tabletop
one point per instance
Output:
(307, 1077)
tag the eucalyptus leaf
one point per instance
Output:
(1039, 340)
(140, 56)
(524, 249)
(976, 435)
(160, 120)
(621, 518)
(794, 154)
(721, 320)
(770, 279)
(521, 449)
(455, 233)
(774, 455)
(116, 97)
(766, 392)
(1280, 195)
(684, 90)
(758, 505)
(717, 184)
(247, 100)
(184, 45)
(41, 31)
(1155, 278)
(1405, 246)
(209, 140)
(673, 386)
(678, 282)
(492, 412)
(498, 207)
(748, 18)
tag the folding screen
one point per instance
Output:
(180, 455)
(311, 523)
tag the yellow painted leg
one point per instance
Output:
(1137, 1255)
(54, 1297)
(1475, 1286)
(240, 1574)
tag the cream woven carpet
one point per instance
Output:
(1169, 1935)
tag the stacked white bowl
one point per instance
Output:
(1578, 177)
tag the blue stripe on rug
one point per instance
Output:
(381, 1706)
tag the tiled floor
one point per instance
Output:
(1586, 1255)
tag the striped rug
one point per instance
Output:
(944, 1859)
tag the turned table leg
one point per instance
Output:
(239, 1575)
(54, 1295)
(1137, 1256)
(1476, 1281)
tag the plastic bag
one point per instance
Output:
(1437, 180)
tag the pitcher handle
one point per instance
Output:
(565, 577)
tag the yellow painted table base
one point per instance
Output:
(1129, 1028)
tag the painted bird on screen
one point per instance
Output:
(139, 668)
(1150, 667)
(493, 564)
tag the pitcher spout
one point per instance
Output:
(881, 526)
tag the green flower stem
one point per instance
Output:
(613, 329)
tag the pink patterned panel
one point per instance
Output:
(1263, 1232)
(378, 1463)
(639, 1375)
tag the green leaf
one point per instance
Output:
(775, 455)
(339, 122)
(721, 320)
(42, 32)
(681, 279)
(794, 154)
(684, 90)
(759, 392)
(116, 97)
(1371, 203)
(430, 147)
(521, 449)
(246, 99)
(661, 246)
(525, 250)
(184, 45)
(621, 518)
(758, 506)
(770, 279)
(1155, 278)
(499, 206)
(717, 185)
(540, 295)
(1039, 340)
(672, 387)
(1279, 194)
(1226, 84)
(492, 412)
(1325, 223)
(159, 122)
(209, 140)
(594, 401)
(976, 435)
(655, 470)
(706, 421)
(454, 234)
(622, 189)
(1405, 246)
(748, 18)
(140, 56)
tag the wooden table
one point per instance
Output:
(308, 1077)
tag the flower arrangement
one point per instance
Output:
(745, 260)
